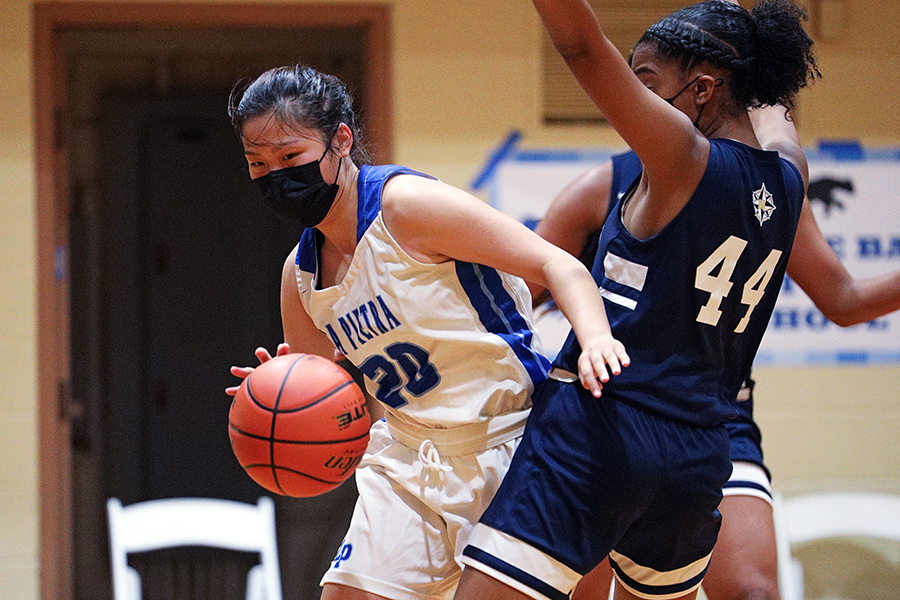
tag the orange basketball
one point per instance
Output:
(299, 425)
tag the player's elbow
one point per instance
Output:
(845, 320)
(842, 316)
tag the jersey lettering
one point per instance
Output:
(756, 287)
(404, 359)
(725, 257)
(363, 323)
(718, 283)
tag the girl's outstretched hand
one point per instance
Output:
(592, 364)
(263, 355)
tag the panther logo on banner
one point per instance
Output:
(857, 207)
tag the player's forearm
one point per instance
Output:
(819, 272)
(565, 231)
(577, 296)
(570, 23)
(862, 300)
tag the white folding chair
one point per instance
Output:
(209, 522)
(822, 516)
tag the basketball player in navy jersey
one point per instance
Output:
(690, 264)
(400, 274)
(744, 562)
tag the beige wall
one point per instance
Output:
(18, 305)
(465, 73)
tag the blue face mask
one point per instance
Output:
(299, 194)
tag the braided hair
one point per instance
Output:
(300, 96)
(766, 50)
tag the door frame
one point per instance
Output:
(55, 406)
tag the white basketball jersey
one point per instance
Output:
(440, 345)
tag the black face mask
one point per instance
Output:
(299, 194)
(671, 100)
(684, 89)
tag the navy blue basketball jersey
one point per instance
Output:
(692, 303)
(744, 433)
(626, 168)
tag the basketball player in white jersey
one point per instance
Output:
(420, 286)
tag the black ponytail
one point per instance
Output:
(766, 51)
(785, 61)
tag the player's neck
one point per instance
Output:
(739, 129)
(339, 226)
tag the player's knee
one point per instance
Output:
(761, 595)
(758, 590)
(742, 586)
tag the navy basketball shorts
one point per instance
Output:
(596, 477)
(750, 477)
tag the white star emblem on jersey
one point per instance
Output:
(763, 206)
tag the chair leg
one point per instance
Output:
(133, 584)
(798, 590)
(256, 584)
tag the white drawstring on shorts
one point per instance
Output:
(431, 459)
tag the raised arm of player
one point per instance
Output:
(820, 273)
(673, 151)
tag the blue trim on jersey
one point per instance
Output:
(658, 590)
(369, 187)
(489, 560)
(307, 259)
(499, 314)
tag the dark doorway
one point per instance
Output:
(189, 273)
(174, 274)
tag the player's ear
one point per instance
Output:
(705, 86)
(343, 140)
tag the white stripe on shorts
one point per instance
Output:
(748, 479)
(661, 579)
(522, 556)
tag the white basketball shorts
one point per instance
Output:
(416, 510)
